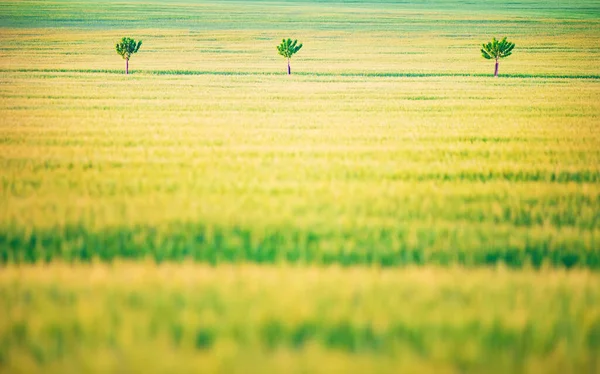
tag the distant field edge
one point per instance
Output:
(323, 74)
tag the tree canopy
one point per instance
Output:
(288, 48)
(127, 47)
(495, 49)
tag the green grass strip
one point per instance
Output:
(255, 73)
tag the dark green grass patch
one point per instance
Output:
(316, 74)
(456, 245)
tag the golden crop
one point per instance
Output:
(388, 207)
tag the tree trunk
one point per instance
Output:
(126, 66)
(496, 71)
(289, 69)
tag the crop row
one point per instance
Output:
(418, 244)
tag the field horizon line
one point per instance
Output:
(321, 74)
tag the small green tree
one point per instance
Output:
(287, 49)
(496, 50)
(126, 48)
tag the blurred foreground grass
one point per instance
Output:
(185, 318)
